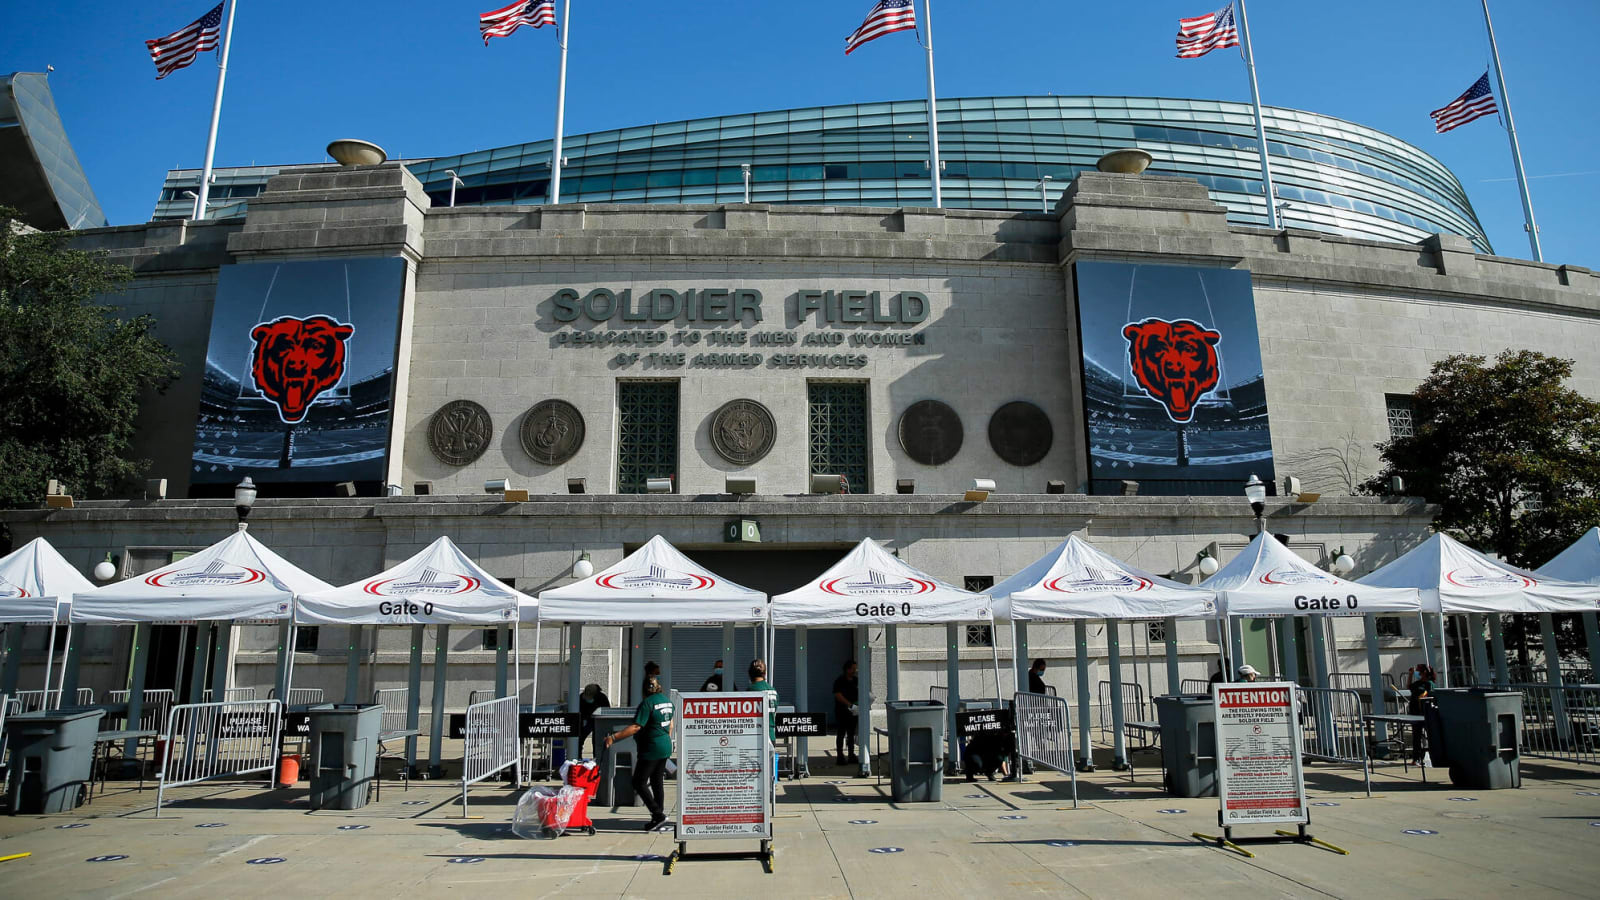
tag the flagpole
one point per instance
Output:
(1261, 128)
(216, 115)
(933, 113)
(561, 104)
(1516, 150)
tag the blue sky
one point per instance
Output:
(415, 77)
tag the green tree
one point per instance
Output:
(1512, 457)
(72, 370)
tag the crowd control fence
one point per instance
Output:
(1044, 734)
(218, 740)
(491, 743)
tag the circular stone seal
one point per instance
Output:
(930, 432)
(743, 431)
(552, 432)
(459, 432)
(1020, 433)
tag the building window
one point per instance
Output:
(647, 439)
(305, 638)
(1401, 425)
(1388, 626)
(838, 421)
(980, 635)
(1156, 631)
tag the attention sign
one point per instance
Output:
(724, 766)
(1259, 778)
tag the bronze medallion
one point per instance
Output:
(743, 431)
(459, 432)
(930, 432)
(552, 432)
(1020, 433)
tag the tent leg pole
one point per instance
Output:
(352, 665)
(630, 687)
(280, 683)
(730, 664)
(1497, 647)
(575, 664)
(666, 656)
(502, 656)
(441, 653)
(1174, 677)
(1427, 644)
(1289, 641)
(1444, 654)
(1375, 686)
(864, 720)
(1480, 655)
(1591, 638)
(1319, 650)
(1236, 638)
(952, 680)
(13, 666)
(1080, 634)
(1021, 664)
(891, 659)
(68, 686)
(538, 635)
(141, 664)
(221, 663)
(1552, 668)
(197, 666)
(802, 699)
(1119, 744)
(49, 659)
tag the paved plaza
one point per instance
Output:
(836, 837)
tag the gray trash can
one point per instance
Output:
(1188, 744)
(52, 758)
(916, 750)
(1481, 732)
(344, 753)
(616, 764)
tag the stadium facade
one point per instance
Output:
(1117, 366)
(1334, 176)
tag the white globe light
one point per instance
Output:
(105, 571)
(1209, 566)
(583, 568)
(1343, 564)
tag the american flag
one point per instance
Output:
(887, 17)
(1203, 34)
(179, 48)
(1476, 103)
(502, 22)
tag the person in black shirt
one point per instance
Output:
(590, 700)
(714, 683)
(1036, 683)
(846, 696)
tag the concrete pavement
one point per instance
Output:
(836, 837)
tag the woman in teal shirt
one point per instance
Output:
(653, 725)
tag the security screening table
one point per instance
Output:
(1414, 723)
(106, 741)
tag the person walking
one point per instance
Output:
(846, 697)
(653, 725)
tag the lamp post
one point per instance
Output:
(1256, 492)
(744, 168)
(454, 180)
(583, 568)
(1044, 194)
(244, 497)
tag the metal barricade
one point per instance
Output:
(1361, 683)
(1044, 734)
(33, 701)
(298, 696)
(491, 743)
(1561, 723)
(1197, 686)
(8, 707)
(231, 695)
(939, 693)
(219, 740)
(153, 714)
(1331, 728)
(1137, 721)
(393, 701)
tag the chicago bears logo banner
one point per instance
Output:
(298, 385)
(1174, 392)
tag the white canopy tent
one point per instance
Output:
(236, 579)
(1078, 582)
(1268, 579)
(439, 586)
(654, 584)
(1454, 578)
(871, 586)
(36, 587)
(1580, 562)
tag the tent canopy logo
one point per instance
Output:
(216, 573)
(1090, 580)
(1290, 575)
(1487, 579)
(431, 582)
(656, 577)
(295, 360)
(9, 590)
(877, 584)
(1175, 363)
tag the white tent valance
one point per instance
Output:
(654, 583)
(439, 586)
(1269, 579)
(1578, 563)
(1077, 581)
(37, 584)
(235, 579)
(871, 586)
(1455, 578)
